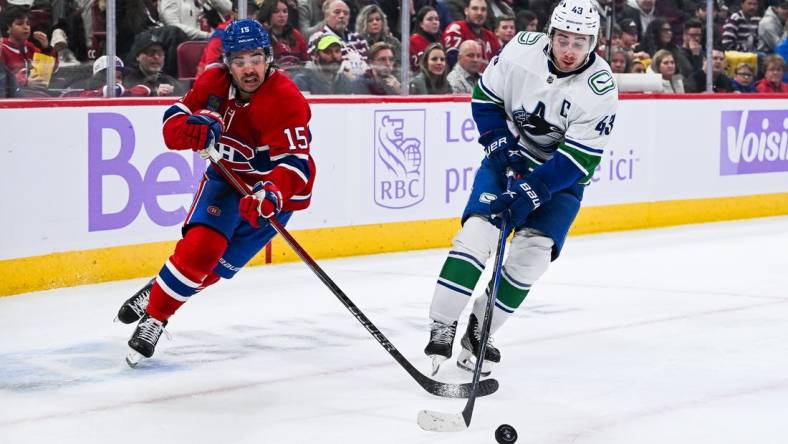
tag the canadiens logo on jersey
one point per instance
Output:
(536, 130)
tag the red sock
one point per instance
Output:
(195, 257)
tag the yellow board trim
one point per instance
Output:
(72, 268)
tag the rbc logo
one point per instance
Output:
(399, 158)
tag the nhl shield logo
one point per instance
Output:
(399, 158)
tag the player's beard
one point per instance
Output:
(329, 68)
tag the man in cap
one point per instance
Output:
(149, 53)
(322, 75)
(96, 86)
(354, 47)
(629, 39)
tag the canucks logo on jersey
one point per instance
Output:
(535, 130)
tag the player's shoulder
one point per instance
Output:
(524, 43)
(598, 83)
(281, 94)
(215, 77)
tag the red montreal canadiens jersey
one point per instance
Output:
(418, 43)
(265, 139)
(459, 31)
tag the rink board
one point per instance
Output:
(104, 200)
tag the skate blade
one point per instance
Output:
(133, 358)
(437, 360)
(467, 362)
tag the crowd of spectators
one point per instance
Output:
(53, 48)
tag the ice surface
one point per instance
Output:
(660, 336)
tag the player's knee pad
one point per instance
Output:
(529, 256)
(197, 254)
(478, 238)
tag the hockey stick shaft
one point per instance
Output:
(454, 422)
(467, 412)
(487, 386)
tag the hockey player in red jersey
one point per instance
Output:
(255, 118)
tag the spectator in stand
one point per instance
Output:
(720, 82)
(741, 30)
(432, 76)
(17, 49)
(619, 61)
(212, 53)
(699, 13)
(772, 81)
(148, 51)
(426, 30)
(630, 38)
(132, 18)
(288, 43)
(504, 29)
(641, 12)
(354, 50)
(664, 64)
(96, 86)
(41, 40)
(526, 21)
(743, 79)
(392, 10)
(372, 25)
(439, 6)
(65, 57)
(543, 9)
(615, 36)
(692, 48)
(310, 16)
(771, 27)
(8, 86)
(185, 14)
(465, 74)
(380, 80)
(495, 10)
(472, 28)
(322, 74)
(659, 35)
(637, 66)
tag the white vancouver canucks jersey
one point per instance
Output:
(571, 114)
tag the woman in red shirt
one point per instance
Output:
(427, 30)
(772, 81)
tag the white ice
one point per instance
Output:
(675, 335)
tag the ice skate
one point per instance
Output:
(143, 341)
(440, 345)
(134, 307)
(470, 349)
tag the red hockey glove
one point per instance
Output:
(202, 129)
(266, 202)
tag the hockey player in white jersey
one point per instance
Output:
(545, 108)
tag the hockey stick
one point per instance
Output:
(486, 387)
(433, 421)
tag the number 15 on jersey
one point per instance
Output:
(297, 134)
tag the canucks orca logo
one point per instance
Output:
(536, 130)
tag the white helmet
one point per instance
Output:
(578, 16)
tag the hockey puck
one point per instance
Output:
(505, 434)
